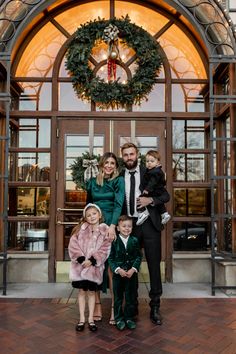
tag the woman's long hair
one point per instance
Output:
(102, 161)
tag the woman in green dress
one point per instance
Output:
(107, 191)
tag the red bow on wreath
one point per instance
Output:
(113, 54)
(110, 36)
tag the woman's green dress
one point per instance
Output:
(110, 199)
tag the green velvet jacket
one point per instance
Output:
(125, 258)
(109, 197)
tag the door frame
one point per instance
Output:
(112, 119)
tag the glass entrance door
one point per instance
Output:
(77, 137)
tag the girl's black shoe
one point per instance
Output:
(79, 327)
(92, 327)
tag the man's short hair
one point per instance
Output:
(127, 146)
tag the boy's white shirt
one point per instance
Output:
(125, 241)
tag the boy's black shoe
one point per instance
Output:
(120, 325)
(130, 324)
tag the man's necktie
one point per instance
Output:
(132, 193)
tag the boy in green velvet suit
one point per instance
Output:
(125, 260)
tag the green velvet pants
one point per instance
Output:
(125, 289)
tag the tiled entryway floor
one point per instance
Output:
(47, 325)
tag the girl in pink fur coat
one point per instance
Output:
(89, 247)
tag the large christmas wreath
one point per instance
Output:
(113, 94)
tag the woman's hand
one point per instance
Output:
(112, 232)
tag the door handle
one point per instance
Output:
(68, 209)
(66, 222)
(59, 222)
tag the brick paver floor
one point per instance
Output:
(43, 326)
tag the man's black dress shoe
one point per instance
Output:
(155, 316)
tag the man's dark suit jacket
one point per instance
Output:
(153, 210)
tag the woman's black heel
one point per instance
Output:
(98, 318)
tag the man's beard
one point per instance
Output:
(130, 165)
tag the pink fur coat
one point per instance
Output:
(87, 243)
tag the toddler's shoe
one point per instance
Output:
(142, 217)
(130, 324)
(165, 217)
(120, 325)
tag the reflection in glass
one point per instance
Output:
(35, 96)
(69, 101)
(189, 167)
(178, 137)
(29, 167)
(27, 138)
(75, 151)
(32, 133)
(189, 134)
(146, 143)
(155, 100)
(29, 201)
(28, 236)
(195, 134)
(187, 98)
(44, 134)
(192, 201)
(191, 236)
(45, 97)
(77, 140)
